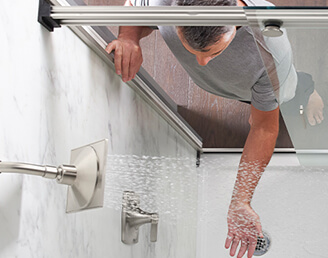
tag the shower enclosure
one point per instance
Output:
(72, 93)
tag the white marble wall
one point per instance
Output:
(55, 95)
(291, 201)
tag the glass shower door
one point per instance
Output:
(297, 65)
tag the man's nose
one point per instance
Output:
(203, 60)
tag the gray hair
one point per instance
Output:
(200, 37)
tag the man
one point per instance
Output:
(224, 61)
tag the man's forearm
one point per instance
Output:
(257, 153)
(134, 33)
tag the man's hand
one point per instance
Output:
(243, 226)
(128, 57)
(127, 51)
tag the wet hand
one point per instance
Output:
(128, 57)
(243, 226)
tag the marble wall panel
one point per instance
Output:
(55, 95)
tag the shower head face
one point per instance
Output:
(87, 192)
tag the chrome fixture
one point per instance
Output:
(272, 31)
(296, 17)
(263, 244)
(65, 174)
(84, 176)
(272, 28)
(133, 217)
(56, 15)
(141, 16)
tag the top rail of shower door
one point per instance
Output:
(188, 15)
(148, 16)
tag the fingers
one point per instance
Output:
(315, 118)
(135, 63)
(118, 60)
(114, 46)
(243, 248)
(311, 120)
(126, 65)
(128, 58)
(251, 248)
(228, 240)
(110, 47)
(246, 244)
(234, 246)
(258, 228)
(319, 117)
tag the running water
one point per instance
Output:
(175, 188)
(166, 185)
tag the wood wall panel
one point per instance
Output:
(170, 74)
(148, 46)
(215, 118)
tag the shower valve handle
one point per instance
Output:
(154, 227)
(133, 218)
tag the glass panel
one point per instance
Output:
(297, 63)
(208, 114)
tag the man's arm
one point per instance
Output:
(128, 55)
(243, 223)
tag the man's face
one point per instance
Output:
(212, 51)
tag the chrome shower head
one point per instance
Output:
(88, 190)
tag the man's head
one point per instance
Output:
(206, 42)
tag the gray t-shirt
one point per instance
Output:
(237, 73)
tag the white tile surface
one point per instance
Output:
(56, 95)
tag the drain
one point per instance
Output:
(263, 245)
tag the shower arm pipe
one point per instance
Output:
(65, 174)
(186, 16)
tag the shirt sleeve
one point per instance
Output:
(140, 2)
(152, 2)
(143, 3)
(263, 96)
